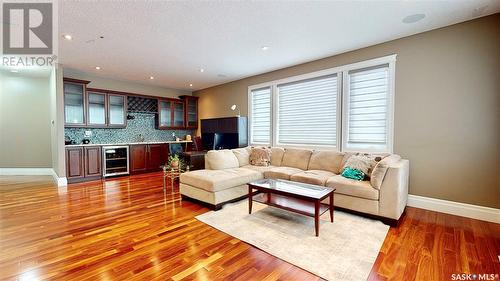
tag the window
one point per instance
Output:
(367, 104)
(349, 108)
(307, 112)
(260, 121)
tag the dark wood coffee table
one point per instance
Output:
(292, 196)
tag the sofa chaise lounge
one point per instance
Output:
(227, 173)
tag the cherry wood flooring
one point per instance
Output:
(129, 228)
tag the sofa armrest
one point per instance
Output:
(394, 190)
(207, 165)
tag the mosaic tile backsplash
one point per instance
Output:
(143, 124)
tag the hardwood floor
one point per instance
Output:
(128, 228)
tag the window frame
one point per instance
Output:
(342, 76)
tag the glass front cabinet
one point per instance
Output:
(170, 114)
(190, 111)
(117, 111)
(92, 108)
(178, 113)
(96, 109)
(74, 103)
(164, 114)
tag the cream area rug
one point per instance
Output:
(345, 249)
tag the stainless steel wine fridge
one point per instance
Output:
(115, 160)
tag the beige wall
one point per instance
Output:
(125, 86)
(25, 115)
(447, 107)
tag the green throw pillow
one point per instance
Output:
(354, 174)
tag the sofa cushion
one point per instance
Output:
(277, 156)
(326, 161)
(260, 169)
(380, 170)
(296, 158)
(243, 155)
(317, 177)
(281, 173)
(216, 180)
(221, 159)
(362, 189)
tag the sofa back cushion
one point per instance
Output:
(296, 158)
(378, 173)
(327, 161)
(221, 159)
(277, 156)
(243, 155)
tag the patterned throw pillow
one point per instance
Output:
(372, 159)
(260, 156)
(353, 174)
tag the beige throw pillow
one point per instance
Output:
(380, 170)
(260, 156)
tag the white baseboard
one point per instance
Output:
(26, 171)
(455, 208)
(34, 172)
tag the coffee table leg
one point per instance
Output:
(249, 199)
(316, 217)
(331, 207)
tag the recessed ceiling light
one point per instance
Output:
(98, 67)
(151, 77)
(190, 85)
(14, 71)
(202, 70)
(68, 37)
(264, 48)
(413, 18)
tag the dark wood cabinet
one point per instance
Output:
(93, 161)
(74, 163)
(147, 157)
(224, 133)
(195, 159)
(170, 114)
(93, 108)
(138, 158)
(83, 163)
(190, 111)
(157, 156)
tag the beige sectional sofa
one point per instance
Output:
(227, 173)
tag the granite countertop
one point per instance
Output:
(130, 143)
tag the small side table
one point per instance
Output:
(172, 173)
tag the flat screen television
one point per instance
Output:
(217, 141)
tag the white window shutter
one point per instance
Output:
(307, 112)
(367, 109)
(260, 122)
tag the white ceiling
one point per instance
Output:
(173, 40)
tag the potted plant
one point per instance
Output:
(173, 161)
